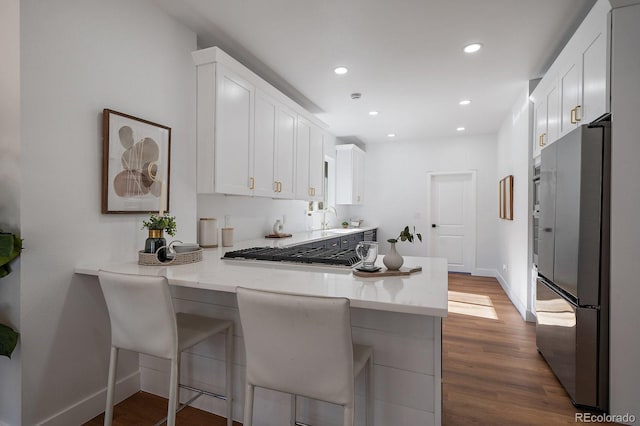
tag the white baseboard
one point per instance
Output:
(516, 302)
(91, 406)
(485, 272)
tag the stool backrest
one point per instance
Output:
(141, 313)
(298, 344)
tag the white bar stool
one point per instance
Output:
(143, 320)
(302, 345)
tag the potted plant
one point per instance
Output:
(345, 224)
(157, 225)
(10, 248)
(392, 260)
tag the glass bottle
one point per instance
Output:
(154, 242)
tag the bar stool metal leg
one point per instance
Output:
(248, 405)
(113, 363)
(229, 378)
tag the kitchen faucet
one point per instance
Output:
(325, 223)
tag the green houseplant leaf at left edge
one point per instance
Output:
(10, 248)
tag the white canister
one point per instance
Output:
(208, 232)
(227, 237)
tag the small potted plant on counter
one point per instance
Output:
(157, 225)
(345, 224)
(392, 260)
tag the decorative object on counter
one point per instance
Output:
(278, 227)
(506, 198)
(355, 223)
(387, 273)
(10, 248)
(135, 164)
(227, 237)
(345, 224)
(208, 232)
(392, 260)
(367, 252)
(156, 243)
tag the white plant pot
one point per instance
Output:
(392, 260)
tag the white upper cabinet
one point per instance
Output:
(349, 174)
(309, 181)
(285, 153)
(575, 90)
(233, 133)
(264, 147)
(246, 135)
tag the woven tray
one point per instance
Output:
(151, 259)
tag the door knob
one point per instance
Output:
(433, 225)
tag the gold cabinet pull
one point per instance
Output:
(577, 108)
(542, 142)
(573, 116)
(251, 183)
(279, 186)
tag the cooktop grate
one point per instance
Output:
(345, 257)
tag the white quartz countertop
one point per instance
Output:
(423, 293)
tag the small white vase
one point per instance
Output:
(392, 260)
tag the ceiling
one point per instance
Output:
(404, 56)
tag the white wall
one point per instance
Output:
(512, 237)
(625, 205)
(396, 190)
(79, 57)
(10, 198)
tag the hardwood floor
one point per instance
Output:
(492, 372)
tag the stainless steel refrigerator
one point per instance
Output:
(572, 326)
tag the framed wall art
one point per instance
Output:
(506, 198)
(136, 164)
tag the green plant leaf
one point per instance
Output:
(8, 340)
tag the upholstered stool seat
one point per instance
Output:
(302, 345)
(143, 320)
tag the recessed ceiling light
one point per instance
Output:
(465, 102)
(460, 129)
(391, 135)
(373, 112)
(341, 70)
(473, 47)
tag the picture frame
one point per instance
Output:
(506, 198)
(136, 164)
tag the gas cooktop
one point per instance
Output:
(318, 255)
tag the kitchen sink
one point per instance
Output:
(339, 231)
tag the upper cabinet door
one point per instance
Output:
(316, 164)
(285, 153)
(349, 174)
(233, 133)
(594, 79)
(569, 95)
(263, 152)
(303, 140)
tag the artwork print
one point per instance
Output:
(136, 164)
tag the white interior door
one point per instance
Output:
(453, 218)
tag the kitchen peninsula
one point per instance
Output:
(399, 316)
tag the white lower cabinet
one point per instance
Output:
(349, 174)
